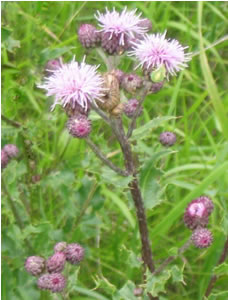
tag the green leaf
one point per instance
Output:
(48, 53)
(156, 284)
(177, 274)
(122, 206)
(126, 292)
(150, 187)
(93, 295)
(222, 269)
(219, 296)
(145, 130)
(111, 177)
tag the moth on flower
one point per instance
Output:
(156, 51)
(74, 84)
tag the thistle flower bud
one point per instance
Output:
(11, 150)
(77, 109)
(112, 45)
(57, 282)
(4, 159)
(131, 82)
(207, 202)
(79, 126)
(60, 247)
(146, 23)
(52, 65)
(196, 214)
(74, 253)
(43, 282)
(202, 237)
(155, 87)
(56, 262)
(167, 138)
(88, 35)
(35, 265)
(130, 107)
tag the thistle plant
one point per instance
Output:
(115, 98)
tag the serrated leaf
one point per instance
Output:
(103, 283)
(111, 177)
(219, 296)
(150, 187)
(222, 269)
(126, 292)
(145, 130)
(177, 274)
(156, 284)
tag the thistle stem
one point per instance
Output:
(105, 160)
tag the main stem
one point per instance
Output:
(136, 193)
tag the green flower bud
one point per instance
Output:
(158, 75)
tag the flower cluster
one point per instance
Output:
(49, 271)
(8, 152)
(196, 218)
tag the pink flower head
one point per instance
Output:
(125, 24)
(74, 83)
(57, 282)
(155, 51)
(196, 214)
(202, 238)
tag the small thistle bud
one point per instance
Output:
(155, 87)
(202, 237)
(167, 138)
(56, 262)
(52, 65)
(4, 159)
(11, 150)
(79, 126)
(88, 35)
(131, 82)
(34, 265)
(43, 282)
(74, 253)
(57, 282)
(130, 107)
(196, 214)
(76, 109)
(138, 292)
(159, 74)
(60, 247)
(207, 202)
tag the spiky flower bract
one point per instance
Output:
(57, 282)
(74, 253)
(196, 214)
(202, 237)
(60, 247)
(35, 265)
(11, 150)
(118, 28)
(43, 282)
(131, 106)
(155, 50)
(79, 126)
(56, 262)
(167, 138)
(74, 83)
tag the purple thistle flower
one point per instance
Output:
(60, 247)
(11, 150)
(74, 83)
(88, 35)
(79, 126)
(4, 159)
(131, 82)
(167, 138)
(155, 50)
(74, 253)
(43, 282)
(118, 28)
(35, 265)
(130, 107)
(196, 214)
(56, 262)
(207, 202)
(57, 282)
(202, 237)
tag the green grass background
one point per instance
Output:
(77, 199)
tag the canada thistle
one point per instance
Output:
(35, 265)
(74, 253)
(56, 262)
(79, 126)
(130, 108)
(202, 237)
(167, 138)
(11, 150)
(88, 35)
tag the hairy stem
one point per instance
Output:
(172, 258)
(221, 260)
(136, 194)
(105, 160)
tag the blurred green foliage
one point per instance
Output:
(79, 200)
